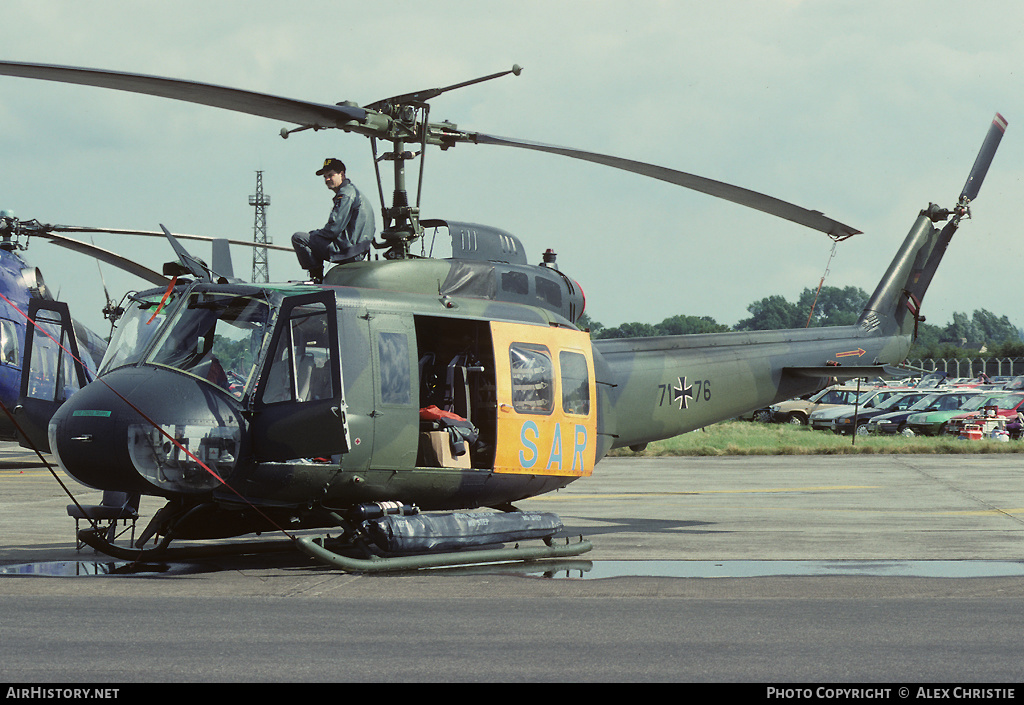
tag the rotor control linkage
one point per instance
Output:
(420, 97)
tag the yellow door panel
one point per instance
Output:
(547, 421)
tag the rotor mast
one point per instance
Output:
(403, 120)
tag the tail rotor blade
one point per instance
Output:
(984, 159)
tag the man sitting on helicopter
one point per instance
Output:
(349, 230)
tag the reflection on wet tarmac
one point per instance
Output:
(751, 569)
(583, 569)
(81, 568)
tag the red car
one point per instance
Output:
(1005, 406)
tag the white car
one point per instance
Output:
(822, 418)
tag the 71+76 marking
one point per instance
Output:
(682, 393)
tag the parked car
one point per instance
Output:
(1006, 405)
(933, 422)
(933, 380)
(1015, 383)
(898, 421)
(798, 411)
(847, 423)
(821, 420)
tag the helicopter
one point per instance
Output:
(55, 378)
(405, 389)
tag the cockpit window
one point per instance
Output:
(213, 336)
(9, 353)
(135, 329)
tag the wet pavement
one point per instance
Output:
(686, 552)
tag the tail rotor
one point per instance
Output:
(981, 165)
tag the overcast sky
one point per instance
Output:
(866, 111)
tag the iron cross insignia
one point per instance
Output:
(682, 393)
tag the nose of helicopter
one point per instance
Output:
(115, 433)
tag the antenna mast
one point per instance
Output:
(260, 269)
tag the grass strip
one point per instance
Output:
(753, 438)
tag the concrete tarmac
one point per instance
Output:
(814, 569)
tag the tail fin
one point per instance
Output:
(895, 306)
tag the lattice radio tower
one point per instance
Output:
(260, 269)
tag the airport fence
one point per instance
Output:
(972, 366)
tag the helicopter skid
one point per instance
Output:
(314, 547)
(97, 541)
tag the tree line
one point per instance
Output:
(835, 306)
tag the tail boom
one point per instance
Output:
(657, 388)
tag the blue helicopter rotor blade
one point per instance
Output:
(108, 257)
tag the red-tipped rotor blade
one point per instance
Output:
(984, 159)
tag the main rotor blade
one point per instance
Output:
(160, 234)
(742, 196)
(984, 158)
(108, 257)
(319, 115)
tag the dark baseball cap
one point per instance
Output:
(331, 164)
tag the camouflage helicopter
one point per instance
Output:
(409, 387)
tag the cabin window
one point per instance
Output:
(9, 352)
(575, 383)
(300, 368)
(549, 291)
(532, 378)
(395, 379)
(515, 283)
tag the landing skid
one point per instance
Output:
(315, 548)
(97, 541)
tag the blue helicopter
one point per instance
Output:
(23, 293)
